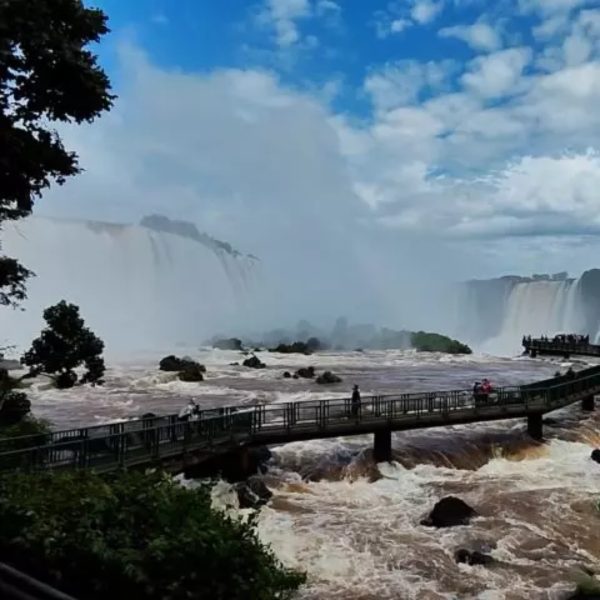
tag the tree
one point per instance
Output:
(134, 535)
(65, 345)
(47, 75)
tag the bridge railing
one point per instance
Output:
(140, 441)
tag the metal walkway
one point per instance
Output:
(176, 443)
(533, 347)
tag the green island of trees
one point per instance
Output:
(434, 342)
(136, 535)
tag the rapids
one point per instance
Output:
(353, 526)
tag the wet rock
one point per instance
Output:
(295, 348)
(227, 344)
(306, 372)
(172, 363)
(472, 558)
(296, 376)
(254, 363)
(595, 456)
(236, 364)
(328, 378)
(314, 344)
(192, 373)
(253, 493)
(287, 375)
(449, 512)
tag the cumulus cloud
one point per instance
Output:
(480, 36)
(425, 11)
(497, 74)
(283, 16)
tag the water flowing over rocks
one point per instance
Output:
(253, 493)
(449, 512)
(306, 372)
(227, 344)
(472, 558)
(328, 378)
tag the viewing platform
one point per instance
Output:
(565, 346)
(226, 434)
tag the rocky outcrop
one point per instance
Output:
(595, 456)
(253, 493)
(295, 348)
(254, 363)
(472, 558)
(306, 372)
(328, 378)
(228, 344)
(287, 375)
(192, 372)
(449, 512)
(172, 363)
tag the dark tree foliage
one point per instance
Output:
(134, 535)
(65, 345)
(47, 75)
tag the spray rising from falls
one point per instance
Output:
(137, 286)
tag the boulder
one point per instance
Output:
(191, 373)
(472, 558)
(66, 380)
(253, 493)
(295, 348)
(173, 363)
(306, 372)
(595, 456)
(314, 344)
(228, 344)
(287, 375)
(328, 378)
(254, 363)
(296, 376)
(449, 512)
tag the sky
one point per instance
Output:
(361, 139)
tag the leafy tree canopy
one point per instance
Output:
(47, 75)
(65, 345)
(134, 535)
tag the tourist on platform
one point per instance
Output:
(355, 401)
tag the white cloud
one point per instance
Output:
(497, 74)
(480, 36)
(402, 82)
(399, 25)
(283, 15)
(550, 6)
(327, 7)
(425, 11)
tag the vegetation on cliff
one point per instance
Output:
(434, 342)
(141, 534)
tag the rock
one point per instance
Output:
(191, 373)
(172, 363)
(287, 375)
(328, 378)
(595, 456)
(234, 364)
(306, 372)
(448, 512)
(227, 344)
(253, 493)
(314, 344)
(296, 376)
(295, 348)
(472, 558)
(254, 363)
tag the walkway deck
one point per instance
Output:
(533, 347)
(177, 444)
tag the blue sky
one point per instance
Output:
(468, 127)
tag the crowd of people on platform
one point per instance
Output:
(562, 338)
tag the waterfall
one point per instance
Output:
(537, 308)
(136, 287)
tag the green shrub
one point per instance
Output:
(434, 342)
(134, 536)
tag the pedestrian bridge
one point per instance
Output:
(555, 347)
(229, 431)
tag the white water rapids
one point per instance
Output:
(353, 526)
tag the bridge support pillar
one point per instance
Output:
(535, 426)
(382, 447)
(588, 403)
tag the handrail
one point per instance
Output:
(16, 585)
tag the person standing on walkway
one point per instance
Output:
(355, 401)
